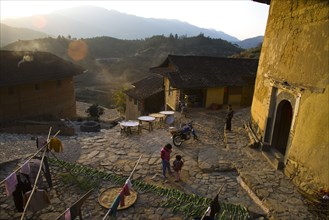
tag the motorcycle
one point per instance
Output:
(183, 134)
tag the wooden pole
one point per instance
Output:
(35, 184)
(132, 172)
(205, 213)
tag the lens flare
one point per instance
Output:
(39, 21)
(77, 50)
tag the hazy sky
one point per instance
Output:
(239, 18)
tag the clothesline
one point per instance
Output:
(205, 213)
(31, 157)
(34, 186)
(108, 212)
(78, 203)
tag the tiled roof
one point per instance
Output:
(146, 87)
(23, 67)
(207, 72)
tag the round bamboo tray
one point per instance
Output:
(107, 197)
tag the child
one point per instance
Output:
(177, 166)
(165, 157)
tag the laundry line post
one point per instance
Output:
(31, 157)
(131, 174)
(34, 186)
(205, 213)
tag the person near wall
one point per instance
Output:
(229, 117)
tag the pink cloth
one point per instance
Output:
(25, 168)
(10, 183)
(165, 154)
(124, 192)
(41, 142)
(67, 214)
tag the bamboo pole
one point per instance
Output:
(132, 172)
(205, 213)
(34, 186)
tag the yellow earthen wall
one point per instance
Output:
(132, 112)
(171, 100)
(214, 96)
(26, 101)
(295, 49)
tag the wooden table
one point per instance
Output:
(167, 112)
(148, 119)
(158, 117)
(127, 125)
(169, 116)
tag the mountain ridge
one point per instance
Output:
(93, 21)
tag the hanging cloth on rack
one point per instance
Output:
(10, 184)
(39, 200)
(56, 145)
(41, 142)
(45, 168)
(23, 186)
(75, 210)
(25, 168)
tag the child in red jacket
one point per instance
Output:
(165, 156)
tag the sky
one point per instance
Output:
(239, 18)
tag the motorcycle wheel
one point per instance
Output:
(177, 140)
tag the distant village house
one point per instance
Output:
(36, 85)
(145, 97)
(207, 81)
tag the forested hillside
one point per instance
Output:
(112, 63)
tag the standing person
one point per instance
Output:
(177, 166)
(165, 157)
(229, 117)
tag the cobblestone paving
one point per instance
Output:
(217, 158)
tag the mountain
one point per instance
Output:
(250, 42)
(10, 34)
(90, 21)
(126, 60)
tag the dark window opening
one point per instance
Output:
(11, 91)
(37, 87)
(58, 84)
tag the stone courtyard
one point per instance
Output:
(217, 158)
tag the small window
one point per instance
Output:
(37, 87)
(135, 101)
(58, 84)
(139, 106)
(130, 99)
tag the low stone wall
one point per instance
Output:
(37, 129)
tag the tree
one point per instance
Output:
(120, 100)
(95, 111)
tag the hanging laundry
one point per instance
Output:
(115, 205)
(129, 184)
(56, 145)
(25, 168)
(124, 192)
(39, 200)
(67, 214)
(41, 142)
(75, 209)
(34, 169)
(10, 184)
(46, 171)
(23, 186)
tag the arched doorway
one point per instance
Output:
(282, 126)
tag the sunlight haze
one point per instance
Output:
(241, 18)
